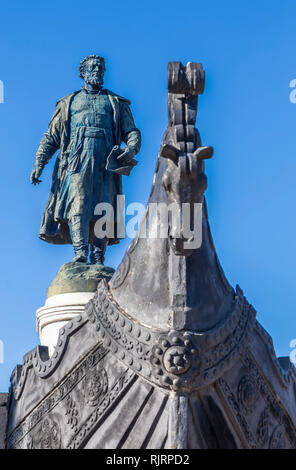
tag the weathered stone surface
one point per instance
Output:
(78, 277)
(3, 418)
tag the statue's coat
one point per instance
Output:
(58, 137)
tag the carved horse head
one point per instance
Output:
(184, 182)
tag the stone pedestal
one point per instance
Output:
(57, 311)
(71, 289)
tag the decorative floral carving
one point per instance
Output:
(247, 393)
(50, 434)
(172, 356)
(141, 348)
(176, 360)
(72, 412)
(95, 385)
(277, 440)
(262, 432)
(275, 407)
(55, 397)
(234, 405)
(120, 387)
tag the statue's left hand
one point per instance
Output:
(127, 155)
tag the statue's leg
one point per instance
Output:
(97, 248)
(97, 252)
(79, 232)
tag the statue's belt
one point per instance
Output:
(94, 132)
(88, 131)
(82, 132)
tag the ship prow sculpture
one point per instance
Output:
(167, 355)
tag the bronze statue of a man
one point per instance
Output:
(88, 127)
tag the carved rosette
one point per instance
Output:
(95, 385)
(247, 393)
(175, 360)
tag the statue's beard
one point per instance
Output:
(94, 80)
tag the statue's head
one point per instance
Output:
(92, 70)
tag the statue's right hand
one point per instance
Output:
(34, 178)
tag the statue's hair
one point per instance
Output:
(90, 57)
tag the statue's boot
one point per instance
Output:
(97, 251)
(79, 232)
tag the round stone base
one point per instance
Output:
(78, 277)
(73, 286)
(57, 311)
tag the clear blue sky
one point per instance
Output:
(248, 52)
